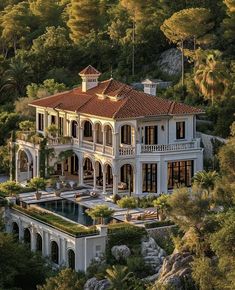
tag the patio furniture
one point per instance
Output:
(122, 185)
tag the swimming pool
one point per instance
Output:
(68, 209)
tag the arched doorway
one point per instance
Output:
(126, 176)
(25, 166)
(27, 237)
(38, 243)
(109, 176)
(54, 252)
(71, 259)
(74, 165)
(15, 230)
(74, 129)
(88, 171)
(87, 131)
(99, 173)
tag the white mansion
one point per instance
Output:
(121, 138)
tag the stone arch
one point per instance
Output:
(25, 164)
(38, 242)
(88, 169)
(27, 236)
(108, 124)
(99, 132)
(15, 230)
(54, 252)
(108, 170)
(108, 131)
(99, 169)
(71, 258)
(87, 126)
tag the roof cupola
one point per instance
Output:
(89, 77)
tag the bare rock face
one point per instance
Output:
(153, 254)
(95, 284)
(120, 252)
(175, 270)
(170, 62)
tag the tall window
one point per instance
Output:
(149, 177)
(53, 119)
(180, 130)
(41, 122)
(87, 130)
(61, 126)
(180, 173)
(108, 136)
(151, 135)
(126, 134)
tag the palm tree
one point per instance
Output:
(212, 78)
(100, 211)
(16, 77)
(118, 277)
(206, 180)
(161, 204)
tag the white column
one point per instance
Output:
(45, 121)
(133, 133)
(16, 166)
(80, 136)
(37, 164)
(80, 170)
(104, 181)
(116, 143)
(94, 133)
(104, 139)
(33, 240)
(21, 231)
(94, 178)
(115, 184)
(139, 180)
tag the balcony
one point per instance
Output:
(58, 141)
(194, 144)
(127, 151)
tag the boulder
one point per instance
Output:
(95, 284)
(120, 252)
(175, 271)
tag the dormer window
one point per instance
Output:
(180, 130)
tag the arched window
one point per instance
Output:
(87, 131)
(54, 252)
(99, 134)
(109, 136)
(38, 243)
(71, 259)
(74, 126)
(15, 230)
(27, 236)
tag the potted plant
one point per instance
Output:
(129, 203)
(38, 183)
(100, 212)
(161, 204)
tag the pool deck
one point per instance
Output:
(88, 202)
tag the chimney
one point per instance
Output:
(150, 86)
(89, 77)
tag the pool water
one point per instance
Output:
(68, 209)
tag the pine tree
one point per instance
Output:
(229, 22)
(83, 17)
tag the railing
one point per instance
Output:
(126, 151)
(87, 145)
(108, 150)
(99, 147)
(170, 147)
(63, 140)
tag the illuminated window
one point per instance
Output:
(180, 130)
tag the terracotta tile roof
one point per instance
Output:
(89, 70)
(120, 101)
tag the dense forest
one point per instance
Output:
(45, 43)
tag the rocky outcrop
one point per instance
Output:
(120, 252)
(95, 284)
(153, 254)
(170, 62)
(175, 271)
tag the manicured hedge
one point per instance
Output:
(158, 224)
